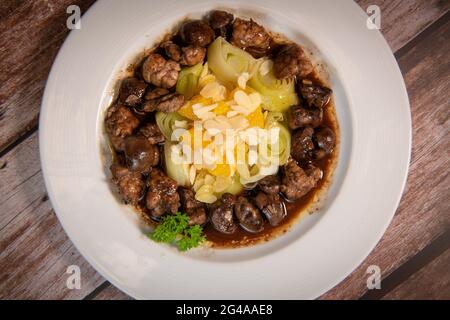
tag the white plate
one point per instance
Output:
(373, 111)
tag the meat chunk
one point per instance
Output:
(132, 91)
(257, 52)
(197, 216)
(187, 56)
(130, 184)
(298, 182)
(192, 55)
(195, 209)
(325, 141)
(218, 19)
(156, 93)
(172, 50)
(302, 144)
(272, 207)
(299, 116)
(140, 154)
(120, 122)
(162, 196)
(170, 102)
(188, 201)
(249, 35)
(315, 95)
(159, 71)
(308, 143)
(151, 131)
(223, 32)
(248, 215)
(196, 33)
(291, 61)
(270, 184)
(222, 217)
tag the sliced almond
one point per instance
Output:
(209, 179)
(242, 80)
(232, 113)
(213, 90)
(221, 184)
(192, 174)
(255, 99)
(239, 122)
(199, 182)
(265, 67)
(240, 109)
(206, 197)
(207, 115)
(242, 99)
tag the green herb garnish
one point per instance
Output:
(175, 230)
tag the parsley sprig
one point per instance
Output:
(175, 230)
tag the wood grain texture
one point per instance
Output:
(408, 269)
(31, 34)
(423, 213)
(111, 293)
(34, 249)
(402, 20)
(432, 282)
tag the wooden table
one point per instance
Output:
(414, 253)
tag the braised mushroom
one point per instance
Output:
(248, 215)
(222, 217)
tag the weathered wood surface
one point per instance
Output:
(402, 20)
(432, 282)
(31, 33)
(34, 250)
(110, 293)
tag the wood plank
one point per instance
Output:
(423, 212)
(412, 266)
(34, 249)
(109, 292)
(31, 34)
(432, 282)
(403, 20)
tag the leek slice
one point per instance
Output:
(277, 95)
(228, 62)
(165, 122)
(284, 145)
(187, 83)
(274, 119)
(176, 171)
